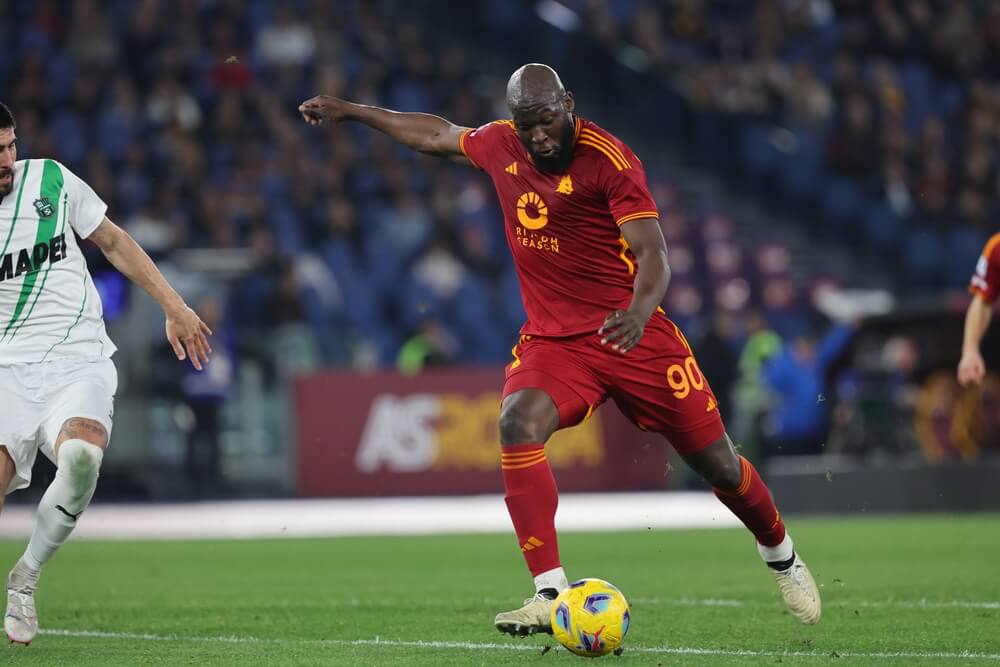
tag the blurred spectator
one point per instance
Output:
(431, 347)
(286, 41)
(797, 376)
(205, 393)
(714, 351)
(751, 397)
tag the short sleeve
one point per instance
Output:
(628, 193)
(986, 280)
(479, 145)
(86, 209)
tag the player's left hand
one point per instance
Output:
(622, 330)
(188, 335)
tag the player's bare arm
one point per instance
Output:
(972, 368)
(187, 334)
(623, 329)
(422, 132)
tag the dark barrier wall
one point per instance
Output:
(386, 434)
(826, 484)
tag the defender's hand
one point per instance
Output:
(186, 330)
(971, 369)
(622, 330)
(323, 107)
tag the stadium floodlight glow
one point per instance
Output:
(558, 15)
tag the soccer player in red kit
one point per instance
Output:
(592, 266)
(985, 287)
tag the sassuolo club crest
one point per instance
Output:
(44, 207)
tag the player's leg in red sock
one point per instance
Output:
(528, 417)
(532, 498)
(740, 488)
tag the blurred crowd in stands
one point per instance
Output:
(334, 247)
(878, 120)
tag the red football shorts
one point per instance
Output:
(657, 384)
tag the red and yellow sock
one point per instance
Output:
(751, 501)
(532, 498)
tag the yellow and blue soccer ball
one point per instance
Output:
(591, 618)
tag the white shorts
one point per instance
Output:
(37, 399)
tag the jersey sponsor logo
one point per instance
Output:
(537, 241)
(511, 168)
(45, 207)
(31, 260)
(532, 211)
(565, 185)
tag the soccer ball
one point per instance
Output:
(590, 618)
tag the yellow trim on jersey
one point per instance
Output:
(461, 147)
(504, 121)
(628, 262)
(990, 245)
(636, 216)
(618, 165)
(517, 358)
(589, 134)
(682, 339)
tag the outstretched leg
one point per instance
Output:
(79, 450)
(738, 485)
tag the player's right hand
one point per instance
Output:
(317, 109)
(971, 369)
(188, 336)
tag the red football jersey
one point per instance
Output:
(573, 263)
(986, 280)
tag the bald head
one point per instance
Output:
(534, 85)
(542, 112)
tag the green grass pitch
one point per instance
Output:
(897, 590)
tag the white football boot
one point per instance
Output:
(534, 617)
(799, 590)
(20, 621)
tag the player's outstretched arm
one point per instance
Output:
(972, 368)
(187, 334)
(422, 132)
(623, 329)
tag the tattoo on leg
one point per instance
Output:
(85, 429)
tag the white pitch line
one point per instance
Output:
(659, 650)
(838, 602)
(338, 517)
(710, 602)
(924, 604)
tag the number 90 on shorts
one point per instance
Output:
(682, 378)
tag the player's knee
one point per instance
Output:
(80, 463)
(90, 431)
(726, 474)
(517, 426)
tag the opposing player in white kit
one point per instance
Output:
(57, 381)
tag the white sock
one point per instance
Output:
(778, 553)
(554, 578)
(65, 499)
